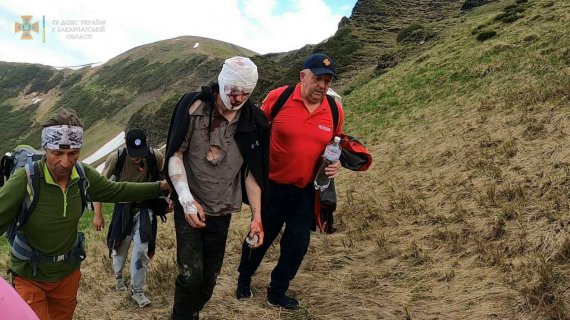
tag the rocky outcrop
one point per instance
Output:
(343, 22)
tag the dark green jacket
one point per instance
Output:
(52, 226)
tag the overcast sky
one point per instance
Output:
(90, 31)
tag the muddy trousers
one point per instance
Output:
(50, 300)
(139, 258)
(290, 206)
(199, 255)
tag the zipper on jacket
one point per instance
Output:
(65, 198)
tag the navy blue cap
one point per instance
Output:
(136, 143)
(319, 64)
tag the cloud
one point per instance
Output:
(305, 22)
(259, 25)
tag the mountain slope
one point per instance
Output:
(369, 34)
(140, 86)
(106, 97)
(465, 213)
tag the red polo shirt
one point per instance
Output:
(298, 138)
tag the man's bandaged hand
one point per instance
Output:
(185, 198)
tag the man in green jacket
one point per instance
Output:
(50, 285)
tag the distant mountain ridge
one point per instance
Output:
(140, 86)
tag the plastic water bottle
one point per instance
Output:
(331, 154)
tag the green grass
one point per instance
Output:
(456, 73)
(15, 124)
(155, 121)
(86, 221)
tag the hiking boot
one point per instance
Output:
(140, 299)
(120, 285)
(281, 300)
(243, 291)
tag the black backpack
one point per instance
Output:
(154, 172)
(158, 206)
(17, 158)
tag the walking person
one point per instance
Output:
(133, 221)
(299, 133)
(48, 249)
(217, 156)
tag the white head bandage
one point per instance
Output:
(238, 74)
(62, 137)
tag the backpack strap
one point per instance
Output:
(153, 172)
(4, 168)
(289, 91)
(334, 111)
(83, 186)
(281, 101)
(33, 189)
(121, 157)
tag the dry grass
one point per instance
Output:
(465, 213)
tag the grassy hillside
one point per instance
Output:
(18, 115)
(113, 96)
(465, 213)
(137, 88)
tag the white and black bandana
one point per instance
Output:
(62, 137)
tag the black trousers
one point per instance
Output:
(293, 207)
(200, 254)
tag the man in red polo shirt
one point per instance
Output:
(299, 134)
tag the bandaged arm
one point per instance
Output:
(177, 174)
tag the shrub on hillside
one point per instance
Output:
(414, 33)
(120, 73)
(153, 120)
(511, 13)
(45, 84)
(478, 29)
(17, 76)
(486, 35)
(508, 17)
(70, 80)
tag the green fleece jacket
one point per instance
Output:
(52, 226)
